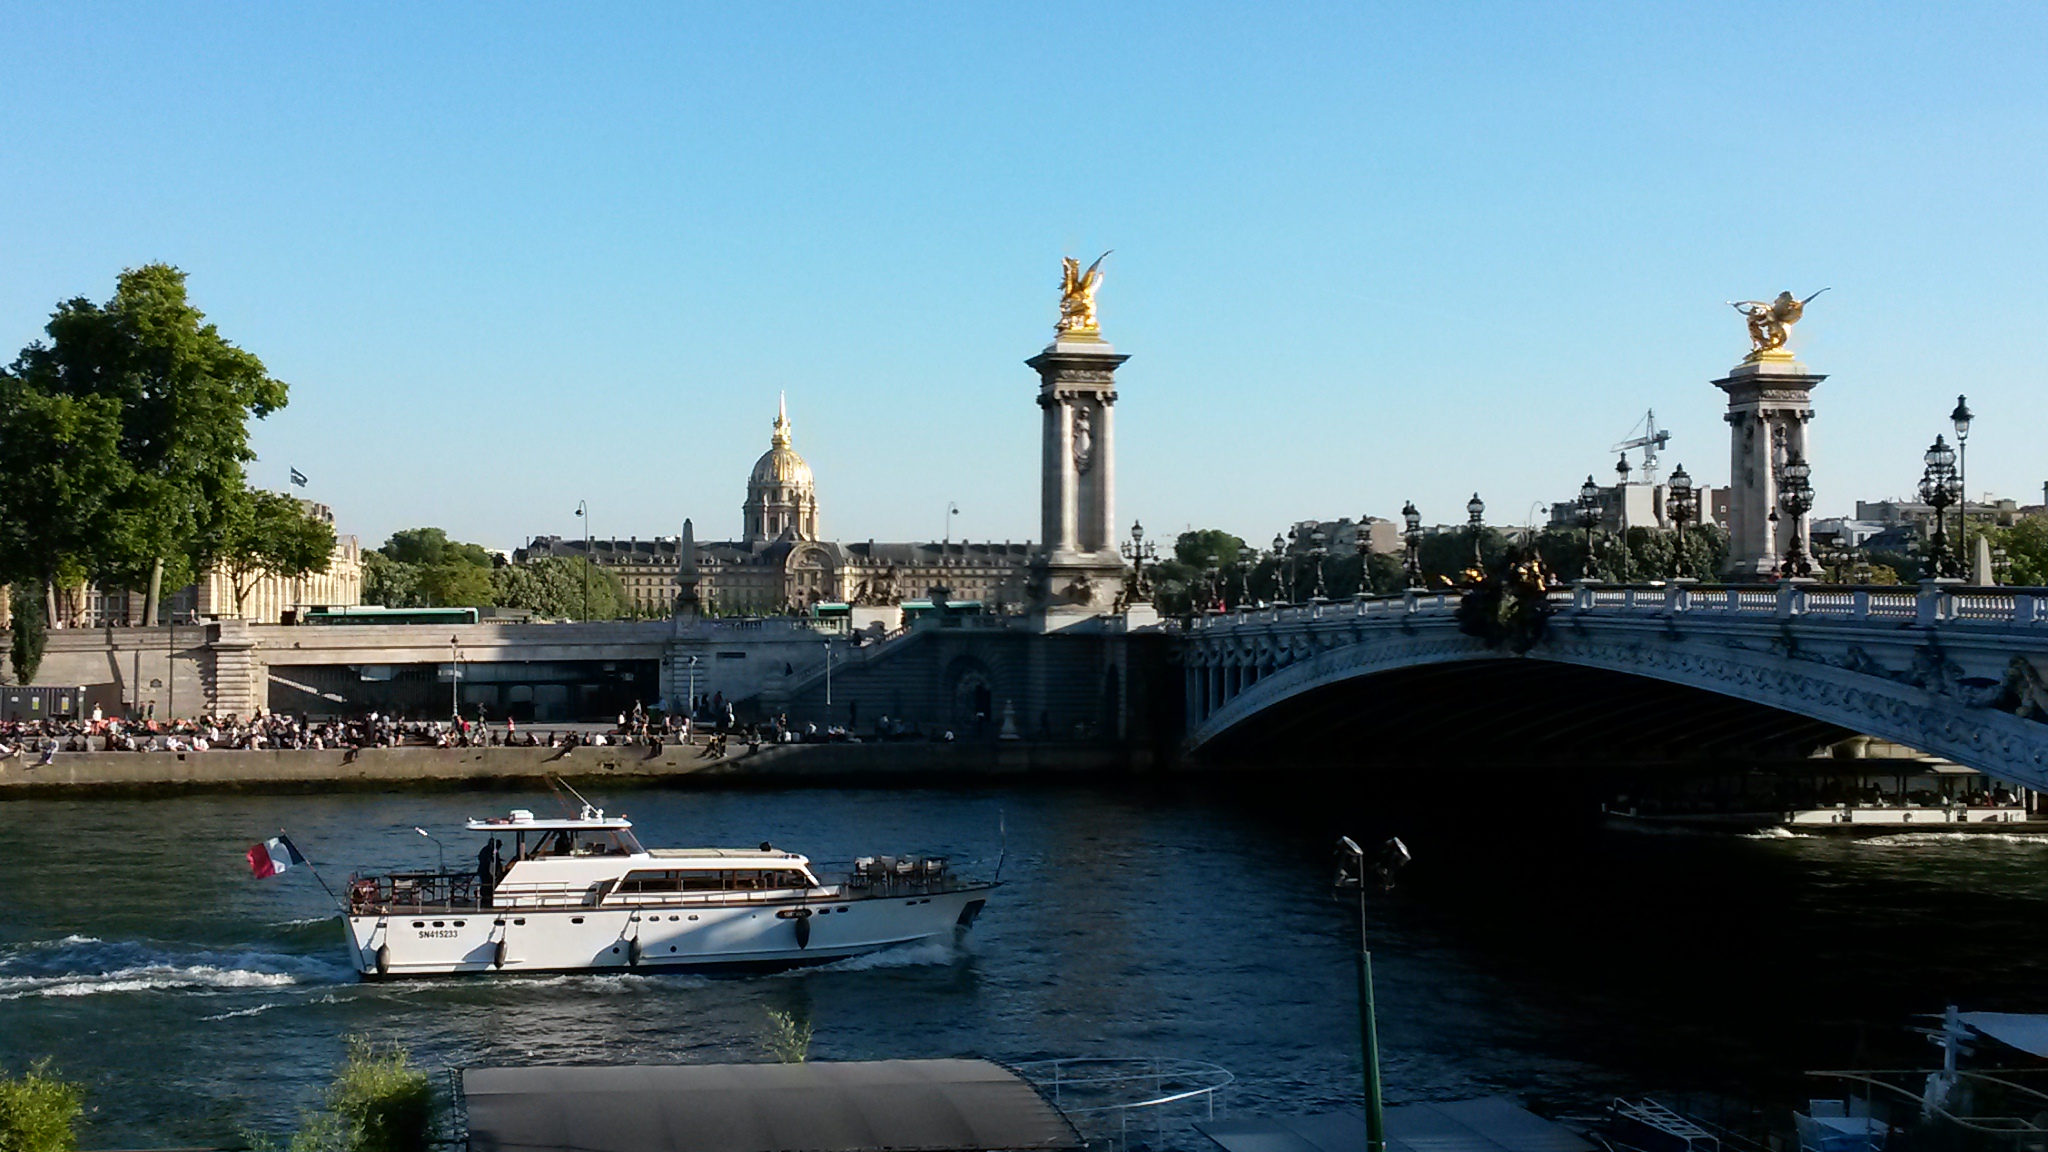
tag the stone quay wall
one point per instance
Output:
(380, 768)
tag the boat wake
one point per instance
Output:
(922, 954)
(89, 966)
(1909, 839)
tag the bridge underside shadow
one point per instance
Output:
(1516, 712)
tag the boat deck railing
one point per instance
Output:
(410, 891)
(1907, 1087)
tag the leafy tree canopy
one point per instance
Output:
(156, 403)
(553, 586)
(270, 533)
(431, 546)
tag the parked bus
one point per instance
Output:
(376, 614)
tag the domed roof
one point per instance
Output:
(780, 464)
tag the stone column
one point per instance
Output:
(1768, 408)
(1077, 572)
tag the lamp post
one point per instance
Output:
(690, 705)
(1318, 551)
(1245, 559)
(583, 514)
(952, 510)
(1279, 554)
(1961, 419)
(828, 681)
(440, 854)
(1363, 543)
(1795, 495)
(1351, 873)
(1475, 511)
(1412, 537)
(1137, 551)
(1678, 506)
(454, 678)
(1589, 515)
(1937, 491)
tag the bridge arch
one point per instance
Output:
(1649, 669)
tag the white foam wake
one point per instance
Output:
(142, 978)
(922, 953)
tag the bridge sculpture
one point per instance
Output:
(1952, 671)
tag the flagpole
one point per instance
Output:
(338, 906)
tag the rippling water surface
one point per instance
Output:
(1525, 951)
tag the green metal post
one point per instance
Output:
(1369, 1036)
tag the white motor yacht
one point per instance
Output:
(581, 894)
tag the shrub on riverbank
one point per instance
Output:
(378, 1102)
(38, 1111)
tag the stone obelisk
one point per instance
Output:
(1077, 574)
(1769, 405)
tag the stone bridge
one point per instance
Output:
(1675, 671)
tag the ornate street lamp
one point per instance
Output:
(1937, 491)
(1139, 553)
(1412, 537)
(1795, 495)
(1281, 590)
(1475, 513)
(1246, 558)
(1318, 551)
(1678, 506)
(1960, 418)
(1363, 543)
(1589, 516)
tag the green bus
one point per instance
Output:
(377, 614)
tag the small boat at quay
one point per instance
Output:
(581, 895)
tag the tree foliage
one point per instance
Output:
(423, 568)
(28, 632)
(553, 586)
(268, 533)
(2026, 550)
(123, 437)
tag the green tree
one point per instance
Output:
(423, 568)
(143, 379)
(553, 586)
(2026, 550)
(268, 533)
(28, 633)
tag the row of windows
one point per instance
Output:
(708, 880)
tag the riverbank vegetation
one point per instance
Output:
(38, 1111)
(378, 1102)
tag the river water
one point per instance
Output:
(1525, 951)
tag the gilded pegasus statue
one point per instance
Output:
(1077, 295)
(1771, 323)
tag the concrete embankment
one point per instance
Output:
(157, 772)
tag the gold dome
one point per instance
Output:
(781, 493)
(780, 464)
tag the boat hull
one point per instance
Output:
(649, 938)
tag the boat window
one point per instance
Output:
(648, 882)
(699, 881)
(744, 880)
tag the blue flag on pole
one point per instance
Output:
(298, 478)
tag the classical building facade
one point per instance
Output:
(779, 564)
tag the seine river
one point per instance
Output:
(1524, 952)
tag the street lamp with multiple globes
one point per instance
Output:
(1960, 418)
(1795, 495)
(1412, 538)
(1938, 491)
(1589, 517)
(1363, 542)
(1246, 558)
(1318, 551)
(1282, 587)
(1678, 505)
(1475, 511)
(1139, 553)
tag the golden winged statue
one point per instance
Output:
(1770, 323)
(1077, 296)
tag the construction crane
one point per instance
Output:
(1651, 441)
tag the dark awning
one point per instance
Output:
(1489, 1124)
(855, 1106)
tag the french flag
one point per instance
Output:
(273, 856)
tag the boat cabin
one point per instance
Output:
(591, 833)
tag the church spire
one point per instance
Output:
(781, 439)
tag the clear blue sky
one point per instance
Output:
(512, 257)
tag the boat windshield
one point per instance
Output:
(561, 842)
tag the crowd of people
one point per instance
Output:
(713, 733)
